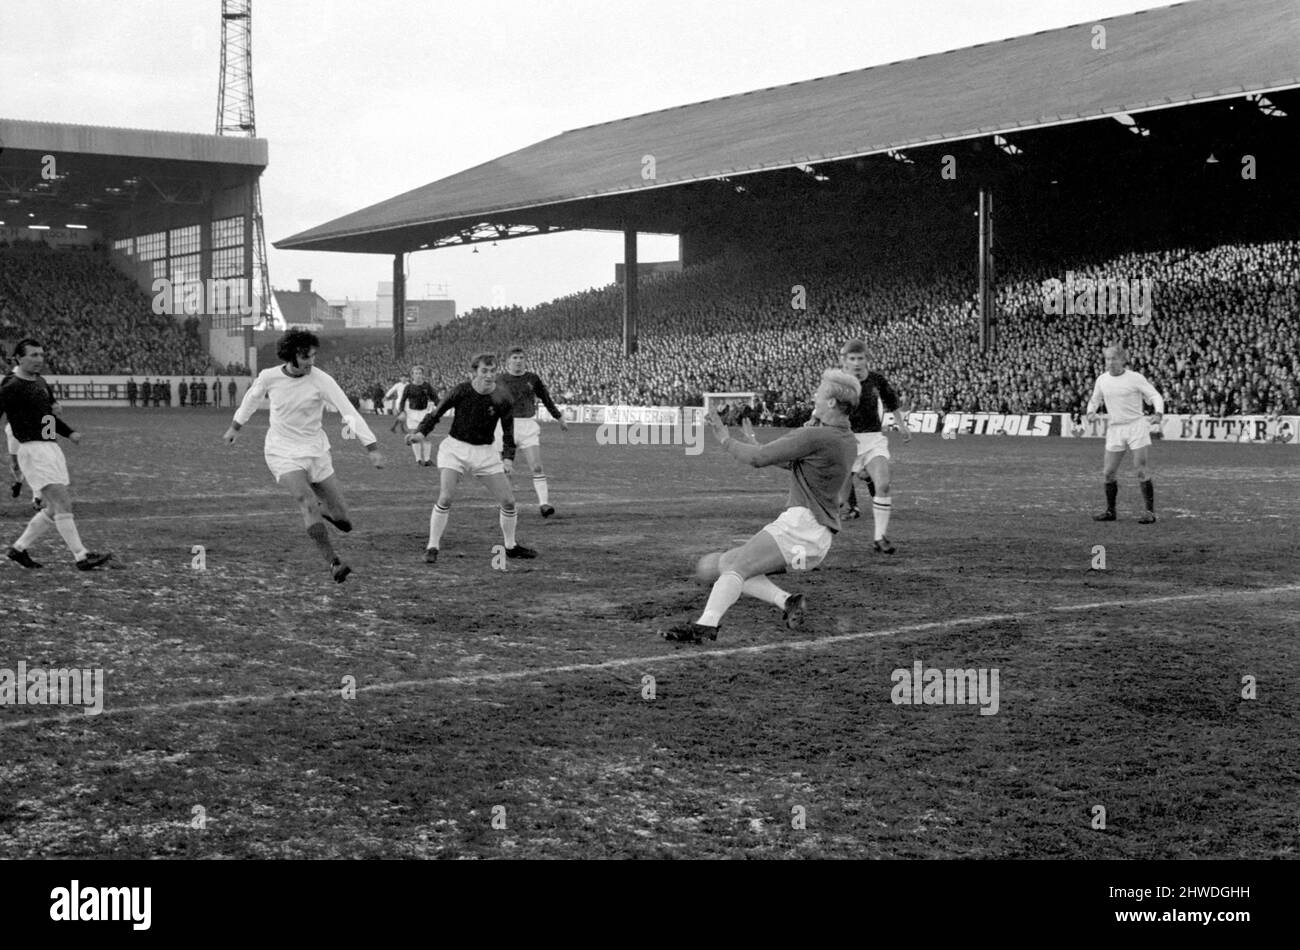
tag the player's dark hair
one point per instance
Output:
(483, 359)
(513, 350)
(296, 343)
(854, 346)
(22, 346)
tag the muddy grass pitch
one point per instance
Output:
(256, 709)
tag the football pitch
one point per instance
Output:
(254, 709)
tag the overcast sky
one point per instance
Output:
(361, 100)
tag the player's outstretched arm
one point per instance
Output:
(545, 396)
(448, 403)
(65, 430)
(1094, 401)
(252, 396)
(1152, 395)
(781, 452)
(352, 418)
(508, 438)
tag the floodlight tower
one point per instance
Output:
(235, 116)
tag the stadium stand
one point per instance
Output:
(1222, 339)
(92, 318)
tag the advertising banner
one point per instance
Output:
(1178, 427)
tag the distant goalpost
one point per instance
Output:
(734, 401)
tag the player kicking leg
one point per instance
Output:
(819, 459)
(319, 500)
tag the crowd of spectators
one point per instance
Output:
(1222, 338)
(91, 317)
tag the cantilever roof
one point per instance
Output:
(1153, 59)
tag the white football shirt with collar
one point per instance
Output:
(297, 407)
(1123, 395)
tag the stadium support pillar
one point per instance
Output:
(630, 274)
(987, 288)
(399, 308)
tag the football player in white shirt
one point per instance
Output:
(297, 451)
(393, 399)
(1123, 392)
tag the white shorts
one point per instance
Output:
(870, 445)
(804, 541)
(317, 467)
(528, 434)
(1130, 435)
(12, 442)
(414, 417)
(42, 464)
(469, 459)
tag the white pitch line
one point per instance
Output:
(678, 656)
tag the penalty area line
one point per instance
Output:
(685, 655)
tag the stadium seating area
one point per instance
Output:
(1223, 337)
(91, 318)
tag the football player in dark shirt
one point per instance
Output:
(819, 460)
(480, 404)
(525, 389)
(417, 401)
(11, 446)
(28, 402)
(873, 446)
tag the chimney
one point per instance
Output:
(304, 286)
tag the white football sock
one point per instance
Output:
(415, 450)
(35, 528)
(726, 591)
(437, 524)
(68, 530)
(761, 586)
(426, 449)
(543, 493)
(508, 524)
(881, 506)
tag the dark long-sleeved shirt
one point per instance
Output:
(865, 417)
(416, 395)
(28, 403)
(525, 389)
(820, 459)
(477, 415)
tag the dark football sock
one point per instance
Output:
(1112, 489)
(871, 486)
(322, 539)
(1149, 494)
(853, 496)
